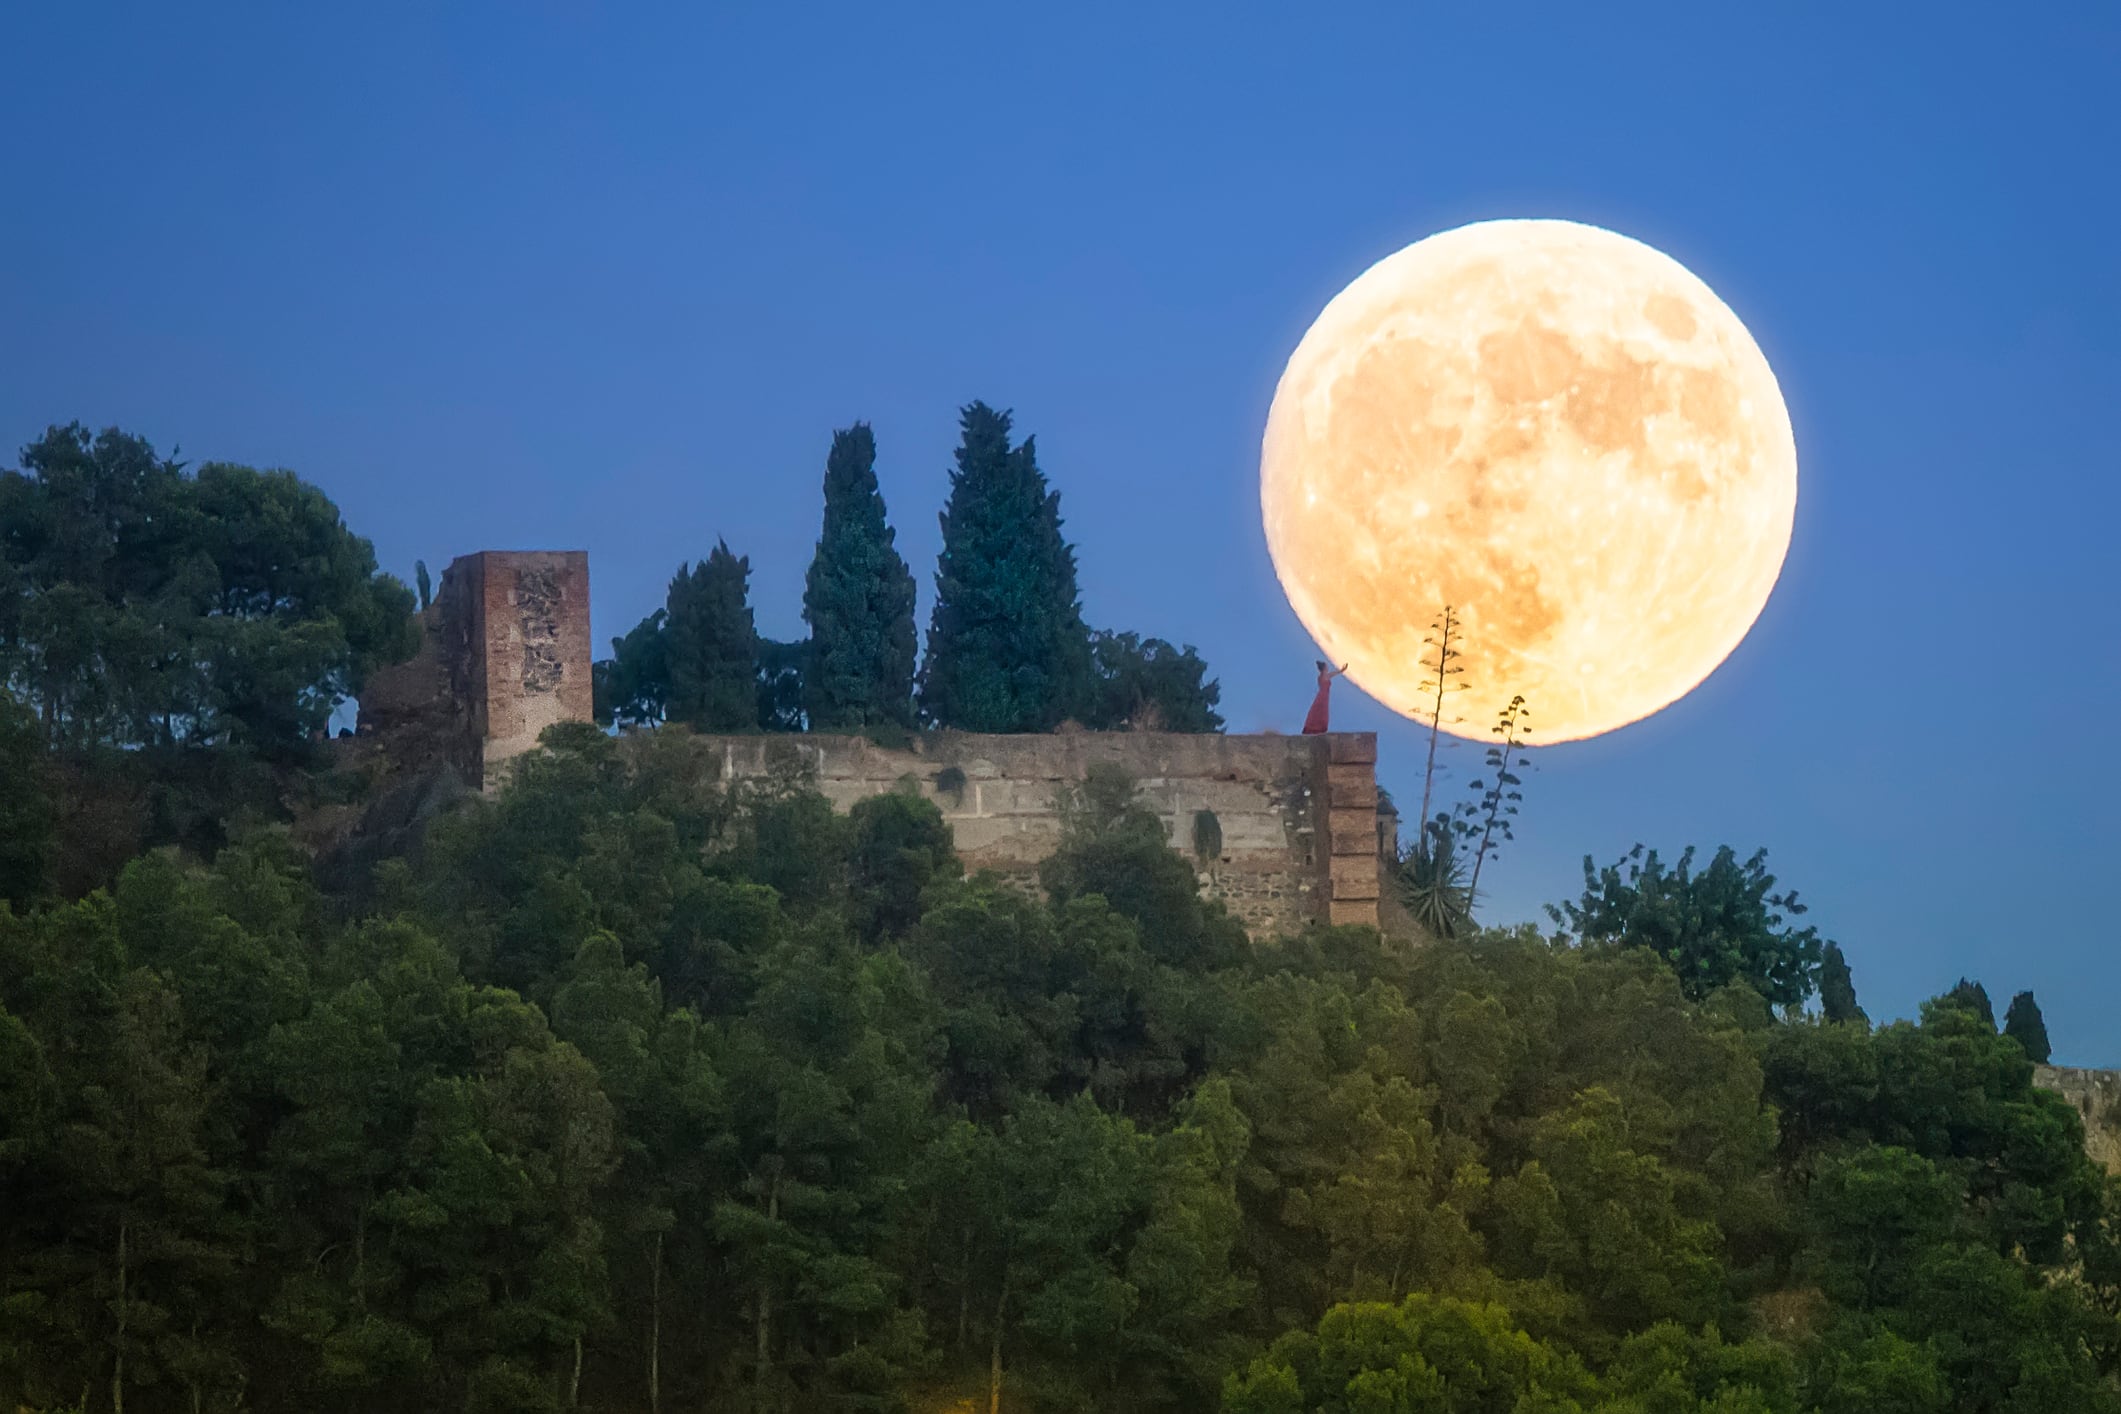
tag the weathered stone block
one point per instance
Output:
(1351, 786)
(1351, 748)
(1353, 876)
(1352, 831)
(1343, 911)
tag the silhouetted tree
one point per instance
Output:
(1007, 649)
(858, 600)
(713, 645)
(2024, 1024)
(1837, 988)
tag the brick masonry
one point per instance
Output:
(504, 655)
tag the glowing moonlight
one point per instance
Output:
(1559, 432)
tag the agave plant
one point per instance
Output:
(1432, 881)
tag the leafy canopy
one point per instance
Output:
(144, 604)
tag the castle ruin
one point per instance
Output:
(504, 654)
(1285, 830)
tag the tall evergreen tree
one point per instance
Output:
(858, 600)
(1007, 648)
(713, 645)
(1974, 997)
(2024, 1024)
(1837, 988)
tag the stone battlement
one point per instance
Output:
(2096, 1094)
(1285, 830)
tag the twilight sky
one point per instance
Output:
(607, 276)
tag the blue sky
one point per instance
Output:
(608, 276)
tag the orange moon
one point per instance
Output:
(1557, 431)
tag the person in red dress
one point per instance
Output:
(1321, 705)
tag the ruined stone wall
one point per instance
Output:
(2096, 1095)
(504, 654)
(1296, 816)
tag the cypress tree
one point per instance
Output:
(858, 600)
(2024, 1024)
(1974, 997)
(1837, 988)
(713, 645)
(1007, 648)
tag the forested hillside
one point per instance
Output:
(628, 1090)
(629, 1093)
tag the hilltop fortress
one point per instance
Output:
(1285, 830)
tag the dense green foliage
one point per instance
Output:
(635, 1091)
(633, 684)
(142, 605)
(1974, 997)
(1148, 685)
(27, 811)
(858, 601)
(1007, 647)
(1721, 925)
(172, 644)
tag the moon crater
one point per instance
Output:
(1555, 430)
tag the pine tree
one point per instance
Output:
(1007, 648)
(858, 600)
(712, 644)
(1837, 988)
(2024, 1024)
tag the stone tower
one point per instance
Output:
(505, 655)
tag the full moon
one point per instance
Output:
(1556, 431)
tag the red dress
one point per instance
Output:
(1315, 722)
